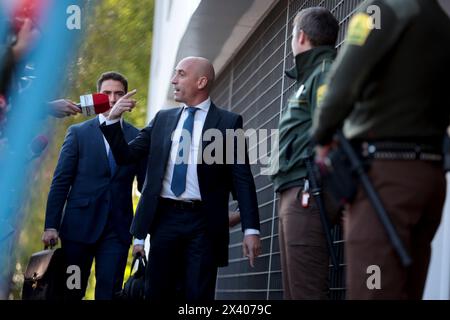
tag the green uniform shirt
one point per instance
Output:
(296, 120)
(390, 81)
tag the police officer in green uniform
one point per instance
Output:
(304, 255)
(389, 89)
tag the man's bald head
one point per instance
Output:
(202, 68)
(193, 80)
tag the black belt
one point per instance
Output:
(182, 204)
(400, 151)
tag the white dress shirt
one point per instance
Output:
(192, 191)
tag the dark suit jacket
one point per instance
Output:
(83, 189)
(215, 180)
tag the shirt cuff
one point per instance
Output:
(51, 229)
(139, 242)
(248, 232)
(108, 122)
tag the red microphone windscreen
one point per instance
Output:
(101, 102)
(95, 103)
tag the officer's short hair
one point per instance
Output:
(319, 24)
(112, 75)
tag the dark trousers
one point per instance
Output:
(110, 254)
(181, 258)
(304, 254)
(413, 194)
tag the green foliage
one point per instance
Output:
(118, 36)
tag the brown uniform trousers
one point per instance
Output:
(303, 249)
(413, 193)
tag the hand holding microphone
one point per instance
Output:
(63, 108)
(122, 105)
(90, 104)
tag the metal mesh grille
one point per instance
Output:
(253, 84)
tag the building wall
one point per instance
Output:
(253, 84)
(170, 22)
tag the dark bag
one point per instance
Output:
(44, 276)
(134, 287)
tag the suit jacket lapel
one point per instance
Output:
(211, 121)
(169, 125)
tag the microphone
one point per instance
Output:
(95, 103)
(37, 146)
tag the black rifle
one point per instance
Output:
(316, 191)
(358, 168)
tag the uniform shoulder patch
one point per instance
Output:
(359, 29)
(320, 94)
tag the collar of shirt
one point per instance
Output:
(102, 118)
(202, 105)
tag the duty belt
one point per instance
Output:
(400, 151)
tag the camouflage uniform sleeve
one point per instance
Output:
(368, 41)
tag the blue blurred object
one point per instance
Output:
(39, 77)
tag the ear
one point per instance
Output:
(202, 83)
(302, 38)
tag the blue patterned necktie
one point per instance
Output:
(178, 184)
(112, 162)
